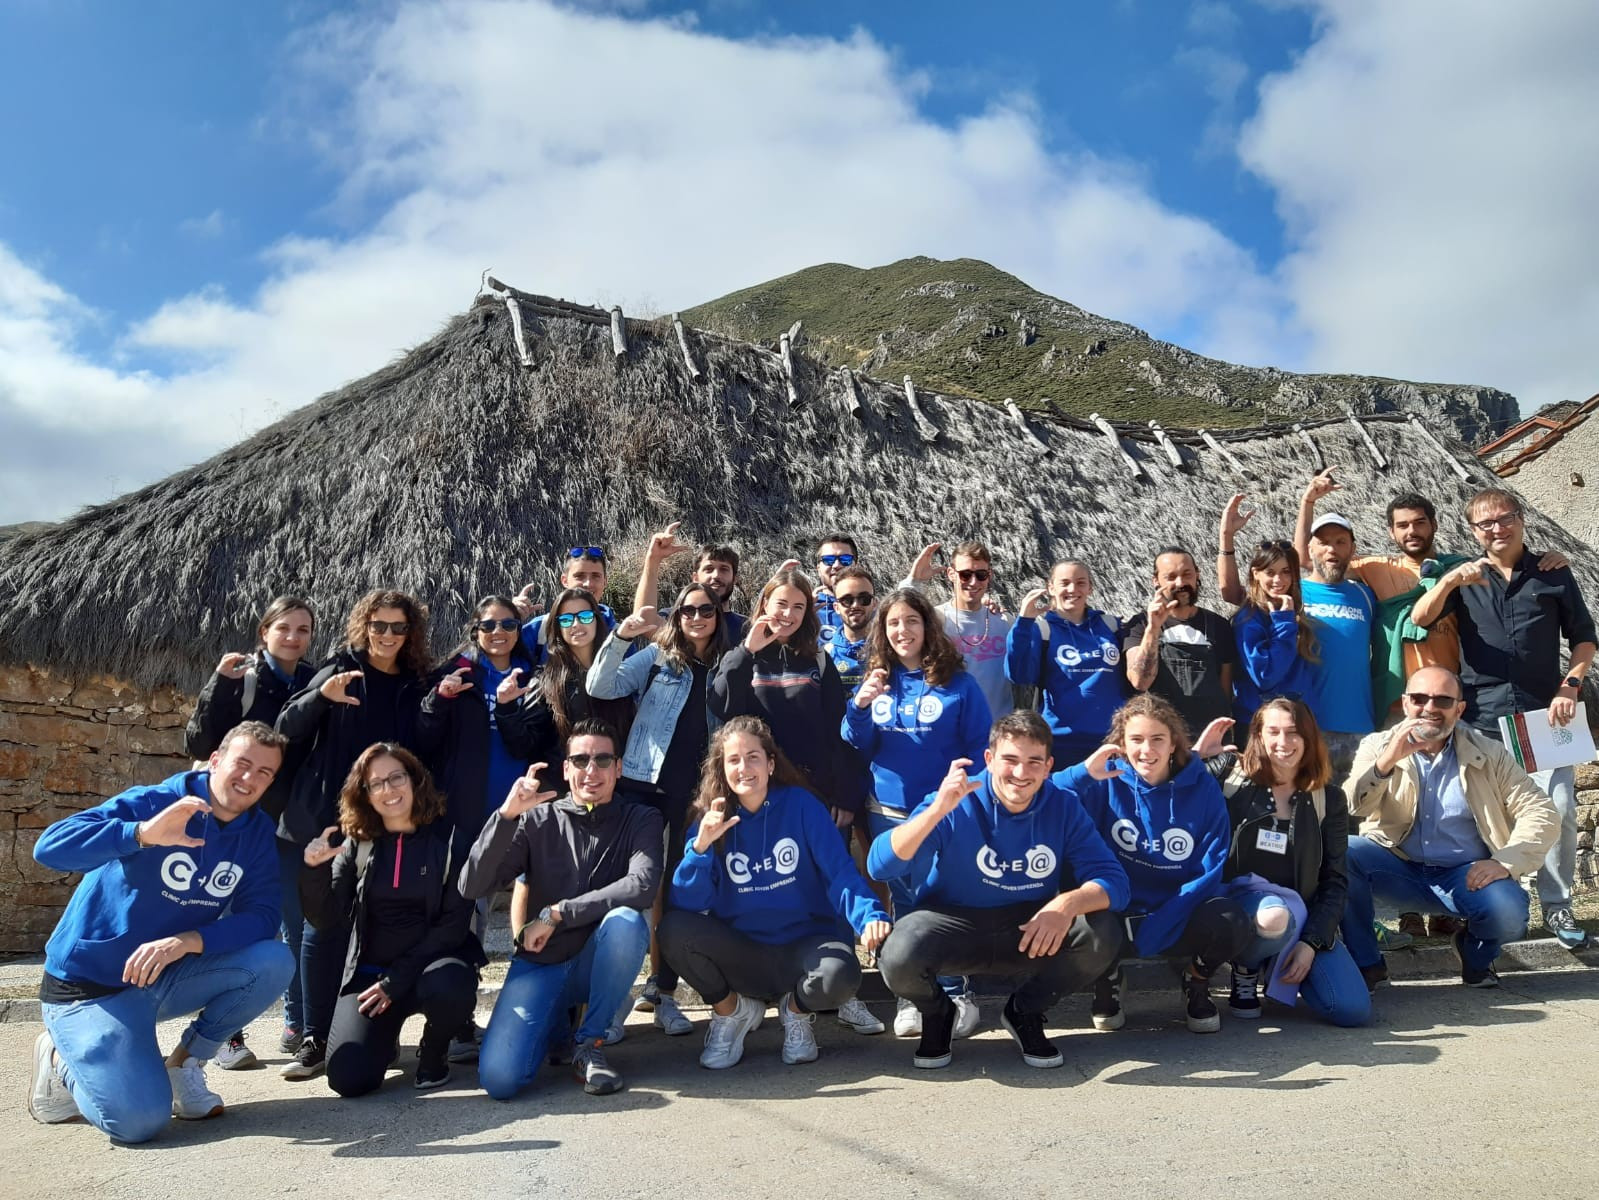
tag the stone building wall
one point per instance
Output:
(66, 745)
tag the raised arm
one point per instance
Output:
(1233, 520)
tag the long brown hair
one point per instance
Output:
(413, 656)
(281, 606)
(802, 642)
(561, 667)
(1315, 765)
(713, 775)
(1156, 709)
(359, 820)
(940, 660)
(1258, 602)
(673, 647)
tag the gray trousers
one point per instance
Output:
(717, 961)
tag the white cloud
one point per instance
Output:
(585, 155)
(207, 228)
(1437, 166)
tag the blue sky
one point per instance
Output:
(212, 213)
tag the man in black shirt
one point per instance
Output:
(1179, 651)
(1512, 616)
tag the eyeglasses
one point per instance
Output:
(980, 574)
(582, 762)
(836, 560)
(505, 624)
(855, 600)
(397, 628)
(1502, 521)
(595, 552)
(703, 612)
(1422, 699)
(565, 620)
(389, 783)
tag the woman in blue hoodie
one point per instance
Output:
(766, 903)
(1166, 820)
(1276, 640)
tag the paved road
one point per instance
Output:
(1450, 1093)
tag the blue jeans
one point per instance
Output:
(110, 1058)
(1333, 990)
(322, 954)
(290, 861)
(1494, 914)
(534, 1000)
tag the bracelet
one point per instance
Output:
(138, 840)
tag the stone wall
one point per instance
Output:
(66, 745)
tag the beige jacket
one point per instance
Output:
(1515, 817)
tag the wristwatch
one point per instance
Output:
(1573, 681)
(547, 917)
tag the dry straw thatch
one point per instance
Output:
(458, 471)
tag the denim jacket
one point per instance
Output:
(661, 693)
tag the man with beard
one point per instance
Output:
(715, 569)
(834, 553)
(1179, 651)
(1449, 823)
(1343, 612)
(973, 619)
(855, 600)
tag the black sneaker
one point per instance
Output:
(1244, 998)
(1201, 1009)
(432, 1061)
(1107, 1007)
(938, 1031)
(1027, 1031)
(309, 1061)
(1477, 977)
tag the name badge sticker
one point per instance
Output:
(1272, 841)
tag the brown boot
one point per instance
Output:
(1414, 924)
(1442, 925)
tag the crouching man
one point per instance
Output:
(1011, 880)
(177, 913)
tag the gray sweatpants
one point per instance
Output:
(717, 960)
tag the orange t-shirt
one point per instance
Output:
(1388, 576)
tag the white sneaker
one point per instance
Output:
(669, 1018)
(49, 1100)
(907, 1020)
(854, 1013)
(191, 1099)
(724, 1040)
(799, 1033)
(234, 1055)
(967, 1014)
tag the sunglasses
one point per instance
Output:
(1502, 521)
(1422, 699)
(397, 628)
(1281, 545)
(979, 573)
(582, 762)
(595, 552)
(567, 620)
(855, 600)
(389, 783)
(836, 560)
(489, 625)
(703, 612)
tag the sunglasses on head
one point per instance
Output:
(1279, 545)
(595, 552)
(397, 628)
(978, 573)
(489, 624)
(1422, 699)
(580, 762)
(703, 611)
(836, 560)
(855, 600)
(566, 620)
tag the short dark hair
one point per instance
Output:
(1174, 549)
(595, 727)
(855, 571)
(842, 539)
(713, 553)
(1412, 500)
(973, 550)
(258, 732)
(1021, 725)
(281, 606)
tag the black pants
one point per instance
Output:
(717, 960)
(674, 817)
(931, 942)
(360, 1047)
(1217, 931)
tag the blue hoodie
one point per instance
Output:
(981, 855)
(781, 874)
(913, 731)
(131, 895)
(1082, 684)
(1171, 838)
(1268, 650)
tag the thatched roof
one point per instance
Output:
(458, 471)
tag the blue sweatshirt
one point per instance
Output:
(913, 731)
(1171, 838)
(781, 874)
(1268, 650)
(129, 896)
(981, 855)
(1082, 683)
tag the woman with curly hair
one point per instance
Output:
(411, 947)
(1276, 640)
(369, 691)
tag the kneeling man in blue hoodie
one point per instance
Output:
(1012, 881)
(177, 913)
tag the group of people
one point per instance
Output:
(752, 803)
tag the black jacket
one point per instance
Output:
(334, 895)
(588, 861)
(1318, 847)
(453, 738)
(333, 736)
(221, 707)
(528, 725)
